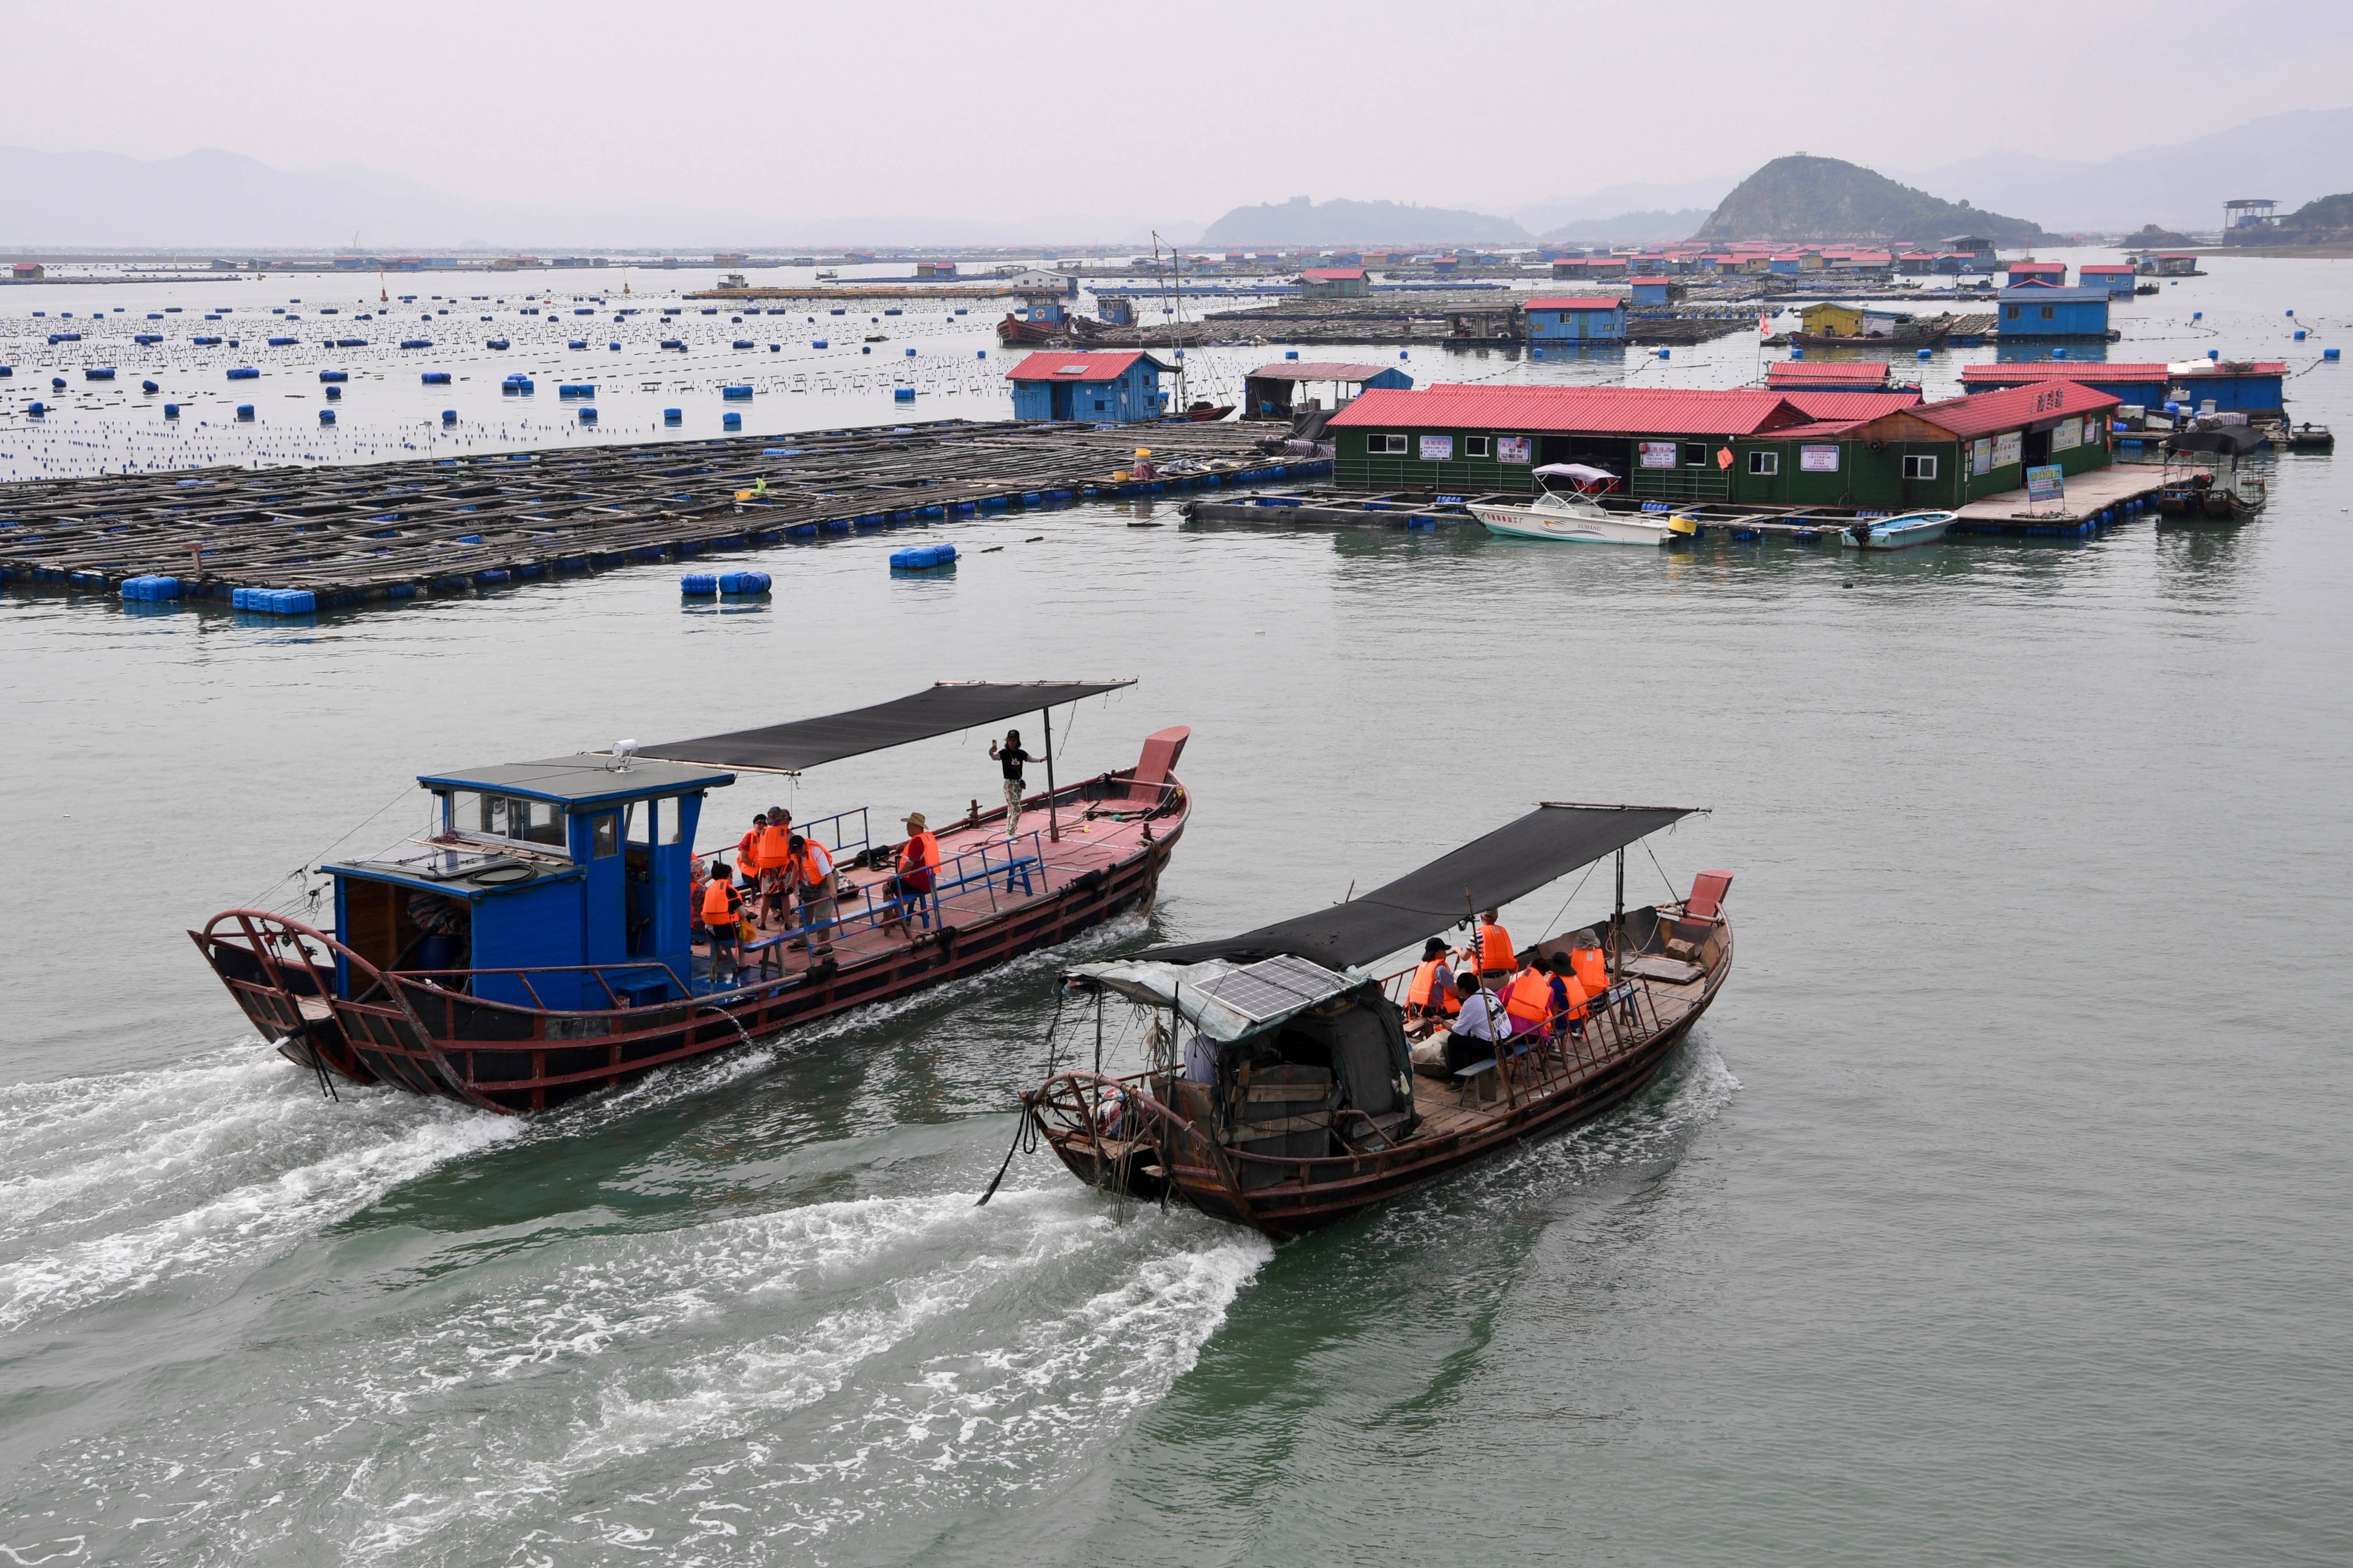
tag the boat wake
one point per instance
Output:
(116, 1183)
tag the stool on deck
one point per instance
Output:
(1476, 1083)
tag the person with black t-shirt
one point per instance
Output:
(1011, 756)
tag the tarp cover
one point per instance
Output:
(1583, 473)
(2231, 440)
(1517, 858)
(945, 709)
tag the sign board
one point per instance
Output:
(1658, 454)
(1981, 456)
(1438, 448)
(2045, 481)
(1822, 459)
(1511, 448)
(2067, 434)
(2006, 450)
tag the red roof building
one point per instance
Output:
(1333, 274)
(1854, 373)
(1574, 302)
(2014, 409)
(1571, 411)
(1853, 407)
(1066, 365)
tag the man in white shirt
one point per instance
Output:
(1471, 1034)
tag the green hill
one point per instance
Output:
(1803, 198)
(2328, 211)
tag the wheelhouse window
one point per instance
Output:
(607, 836)
(1764, 463)
(481, 814)
(1920, 468)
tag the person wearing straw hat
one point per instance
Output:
(918, 869)
(1141, 468)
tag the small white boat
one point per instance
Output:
(1572, 516)
(1899, 532)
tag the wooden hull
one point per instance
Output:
(1168, 1158)
(429, 1035)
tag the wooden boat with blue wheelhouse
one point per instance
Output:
(536, 943)
(1294, 1100)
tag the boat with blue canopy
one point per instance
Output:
(538, 942)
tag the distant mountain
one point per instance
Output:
(2148, 233)
(1554, 216)
(1806, 198)
(1301, 222)
(2293, 157)
(1632, 228)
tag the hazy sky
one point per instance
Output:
(975, 109)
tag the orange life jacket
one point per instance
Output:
(816, 864)
(1592, 969)
(921, 854)
(1496, 949)
(776, 848)
(1579, 994)
(1529, 1002)
(747, 850)
(1425, 981)
(720, 904)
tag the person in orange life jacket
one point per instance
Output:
(1497, 957)
(722, 907)
(813, 870)
(919, 864)
(1011, 756)
(1528, 1000)
(1569, 996)
(747, 848)
(776, 864)
(1592, 968)
(1430, 993)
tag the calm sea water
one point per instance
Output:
(1995, 1215)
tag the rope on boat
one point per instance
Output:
(1672, 894)
(1025, 1124)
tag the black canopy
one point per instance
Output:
(950, 705)
(1517, 858)
(2231, 440)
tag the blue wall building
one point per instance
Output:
(1596, 319)
(1072, 384)
(2038, 312)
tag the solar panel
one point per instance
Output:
(1274, 986)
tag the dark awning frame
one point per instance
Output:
(1548, 843)
(944, 709)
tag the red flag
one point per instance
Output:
(1764, 324)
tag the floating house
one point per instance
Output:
(1973, 251)
(1577, 318)
(1653, 289)
(1271, 391)
(1826, 375)
(2250, 387)
(1112, 388)
(2051, 273)
(27, 271)
(1334, 283)
(1040, 280)
(2036, 310)
(1864, 450)
(2115, 277)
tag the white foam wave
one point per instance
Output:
(132, 1179)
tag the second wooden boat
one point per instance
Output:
(1293, 1100)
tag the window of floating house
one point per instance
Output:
(1764, 463)
(1922, 467)
(1475, 447)
(1375, 445)
(2047, 312)
(1694, 454)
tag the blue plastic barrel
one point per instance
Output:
(2058, 354)
(698, 584)
(1291, 353)
(2213, 354)
(334, 394)
(1797, 353)
(735, 393)
(151, 589)
(326, 417)
(244, 372)
(148, 387)
(245, 411)
(587, 416)
(2299, 334)
(731, 421)
(902, 395)
(2328, 354)
(922, 557)
(435, 378)
(334, 375)
(1920, 353)
(171, 411)
(448, 417)
(37, 409)
(672, 415)
(743, 584)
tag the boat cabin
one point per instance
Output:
(576, 868)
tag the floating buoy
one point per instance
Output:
(743, 584)
(448, 417)
(1920, 353)
(2058, 354)
(672, 415)
(731, 421)
(698, 584)
(171, 411)
(326, 417)
(245, 411)
(922, 557)
(587, 416)
(2329, 354)
(435, 378)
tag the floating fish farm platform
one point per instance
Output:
(290, 540)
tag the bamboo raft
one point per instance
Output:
(385, 532)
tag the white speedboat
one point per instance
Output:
(1898, 533)
(1573, 515)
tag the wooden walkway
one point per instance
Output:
(383, 533)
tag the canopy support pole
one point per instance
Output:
(1053, 817)
(1618, 920)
